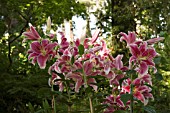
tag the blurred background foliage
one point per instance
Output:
(24, 87)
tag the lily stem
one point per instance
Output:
(131, 100)
(91, 106)
(90, 101)
(53, 102)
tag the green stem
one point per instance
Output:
(53, 101)
(131, 100)
(90, 101)
(91, 106)
(69, 99)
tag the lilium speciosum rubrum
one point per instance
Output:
(40, 52)
(56, 80)
(90, 41)
(142, 55)
(140, 91)
(114, 103)
(130, 38)
(32, 34)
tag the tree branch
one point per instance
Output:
(10, 42)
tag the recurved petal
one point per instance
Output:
(91, 81)
(42, 61)
(57, 67)
(61, 86)
(124, 37)
(32, 55)
(34, 60)
(119, 102)
(79, 83)
(147, 78)
(35, 46)
(111, 75)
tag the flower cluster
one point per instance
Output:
(81, 61)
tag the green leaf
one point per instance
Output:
(99, 108)
(125, 97)
(159, 76)
(72, 59)
(81, 49)
(149, 109)
(31, 108)
(157, 60)
(46, 105)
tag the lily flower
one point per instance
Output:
(130, 38)
(56, 80)
(40, 52)
(143, 56)
(105, 51)
(114, 103)
(140, 91)
(32, 34)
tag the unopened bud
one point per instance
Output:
(48, 24)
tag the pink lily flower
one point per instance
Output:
(91, 41)
(118, 64)
(140, 91)
(58, 82)
(114, 103)
(32, 34)
(105, 51)
(130, 38)
(143, 56)
(40, 52)
(77, 77)
(64, 43)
